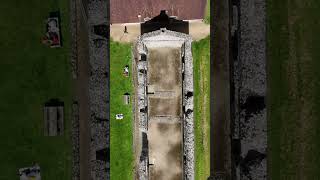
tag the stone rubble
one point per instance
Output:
(142, 96)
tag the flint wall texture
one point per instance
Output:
(99, 87)
(250, 88)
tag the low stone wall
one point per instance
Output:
(73, 28)
(142, 112)
(188, 119)
(75, 142)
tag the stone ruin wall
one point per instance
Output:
(99, 88)
(188, 124)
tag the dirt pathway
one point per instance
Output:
(198, 29)
(117, 32)
(81, 89)
(220, 162)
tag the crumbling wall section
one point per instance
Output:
(188, 116)
(142, 108)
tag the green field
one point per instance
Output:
(294, 89)
(121, 131)
(31, 74)
(201, 60)
(207, 13)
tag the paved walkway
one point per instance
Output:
(197, 29)
(117, 32)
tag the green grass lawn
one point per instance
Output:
(30, 74)
(201, 60)
(120, 130)
(207, 13)
(293, 89)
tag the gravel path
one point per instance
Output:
(80, 109)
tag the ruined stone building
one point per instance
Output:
(164, 142)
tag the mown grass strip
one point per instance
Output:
(121, 141)
(207, 13)
(201, 65)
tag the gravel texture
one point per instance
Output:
(98, 88)
(73, 28)
(250, 88)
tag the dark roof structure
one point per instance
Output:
(164, 21)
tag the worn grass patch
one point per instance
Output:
(30, 74)
(121, 141)
(293, 89)
(201, 65)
